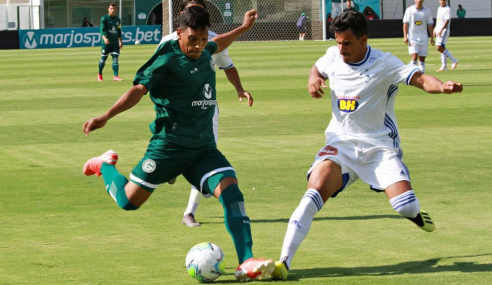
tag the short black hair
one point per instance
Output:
(112, 4)
(195, 18)
(350, 20)
(185, 3)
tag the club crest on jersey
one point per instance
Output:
(148, 166)
(418, 23)
(328, 150)
(348, 105)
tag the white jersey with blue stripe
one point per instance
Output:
(418, 22)
(363, 96)
(221, 59)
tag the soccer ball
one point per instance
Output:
(205, 262)
(137, 42)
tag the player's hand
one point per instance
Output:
(405, 40)
(106, 41)
(245, 94)
(316, 86)
(432, 42)
(250, 18)
(451, 87)
(94, 124)
(121, 45)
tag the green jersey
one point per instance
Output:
(111, 29)
(183, 91)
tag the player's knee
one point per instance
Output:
(123, 202)
(406, 204)
(115, 59)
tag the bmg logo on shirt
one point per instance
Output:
(348, 105)
(418, 23)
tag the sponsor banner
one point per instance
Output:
(84, 37)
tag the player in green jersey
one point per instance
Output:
(111, 41)
(180, 77)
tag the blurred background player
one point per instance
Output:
(111, 41)
(182, 85)
(224, 62)
(362, 138)
(442, 32)
(301, 26)
(461, 13)
(417, 26)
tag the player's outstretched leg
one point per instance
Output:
(114, 181)
(255, 268)
(408, 206)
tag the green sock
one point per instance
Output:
(236, 222)
(102, 62)
(115, 186)
(115, 65)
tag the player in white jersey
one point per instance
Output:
(224, 62)
(362, 139)
(442, 32)
(417, 26)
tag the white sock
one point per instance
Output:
(300, 223)
(443, 60)
(414, 62)
(194, 201)
(406, 204)
(422, 67)
(451, 57)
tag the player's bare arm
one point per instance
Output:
(431, 84)
(233, 77)
(316, 83)
(405, 32)
(226, 39)
(431, 33)
(129, 99)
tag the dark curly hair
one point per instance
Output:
(195, 18)
(350, 20)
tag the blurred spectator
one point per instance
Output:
(461, 13)
(86, 23)
(301, 26)
(369, 15)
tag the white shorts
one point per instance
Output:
(421, 50)
(442, 39)
(378, 166)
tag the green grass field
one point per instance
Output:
(59, 227)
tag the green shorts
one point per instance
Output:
(164, 161)
(110, 49)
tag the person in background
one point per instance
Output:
(301, 26)
(442, 32)
(461, 13)
(86, 23)
(417, 26)
(110, 30)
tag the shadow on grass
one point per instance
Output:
(347, 218)
(410, 267)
